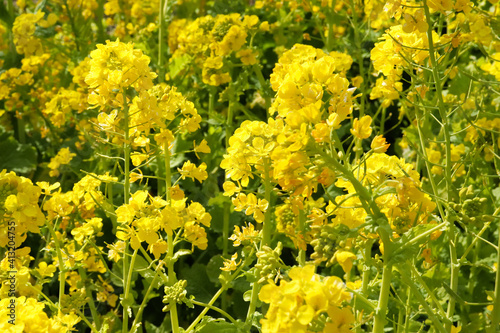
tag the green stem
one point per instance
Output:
(62, 268)
(211, 100)
(359, 53)
(145, 299)
(172, 279)
(99, 18)
(82, 316)
(421, 299)
(10, 9)
(218, 293)
(364, 195)
(211, 307)
(227, 205)
(408, 311)
(265, 240)
(302, 227)
(428, 290)
(444, 120)
(93, 310)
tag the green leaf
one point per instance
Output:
(496, 194)
(459, 85)
(118, 271)
(212, 325)
(15, 156)
(213, 268)
(166, 326)
(199, 284)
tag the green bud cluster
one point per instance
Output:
(176, 293)
(269, 263)
(471, 208)
(76, 300)
(324, 244)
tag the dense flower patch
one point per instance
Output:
(249, 166)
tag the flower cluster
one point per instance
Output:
(211, 41)
(31, 317)
(115, 67)
(19, 203)
(143, 220)
(295, 305)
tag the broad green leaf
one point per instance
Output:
(15, 156)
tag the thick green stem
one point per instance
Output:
(364, 195)
(265, 240)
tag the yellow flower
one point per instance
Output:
(63, 157)
(247, 233)
(379, 144)
(190, 170)
(247, 57)
(294, 304)
(23, 32)
(231, 264)
(251, 205)
(341, 320)
(345, 258)
(230, 188)
(361, 127)
(196, 235)
(46, 270)
(158, 248)
(138, 158)
(441, 5)
(176, 193)
(201, 148)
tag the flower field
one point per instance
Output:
(274, 166)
